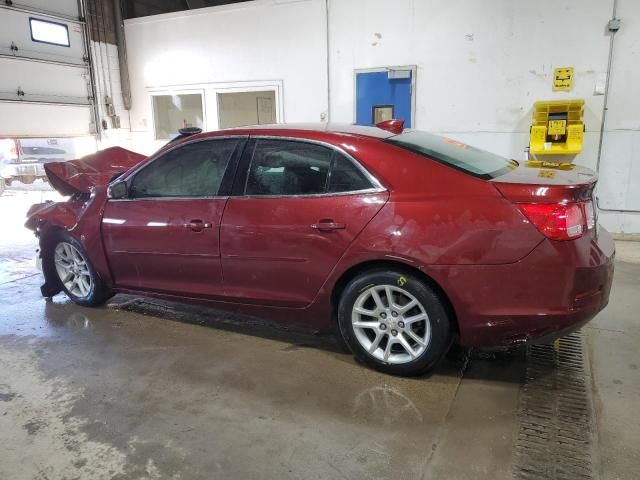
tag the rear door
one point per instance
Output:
(299, 205)
(165, 235)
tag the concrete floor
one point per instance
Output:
(142, 389)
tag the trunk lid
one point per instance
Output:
(78, 176)
(547, 182)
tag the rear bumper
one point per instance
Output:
(557, 288)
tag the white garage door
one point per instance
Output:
(45, 78)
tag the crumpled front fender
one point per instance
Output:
(63, 214)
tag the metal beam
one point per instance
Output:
(125, 87)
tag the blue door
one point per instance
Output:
(383, 96)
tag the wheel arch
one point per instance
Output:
(369, 265)
(47, 232)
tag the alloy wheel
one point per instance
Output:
(73, 270)
(391, 324)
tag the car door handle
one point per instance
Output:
(328, 225)
(197, 225)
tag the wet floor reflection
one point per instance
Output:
(385, 405)
(58, 317)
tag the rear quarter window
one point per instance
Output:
(471, 160)
(345, 176)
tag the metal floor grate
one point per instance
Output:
(556, 428)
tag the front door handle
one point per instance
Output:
(328, 225)
(197, 225)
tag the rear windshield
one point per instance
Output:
(463, 157)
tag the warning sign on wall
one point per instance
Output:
(562, 79)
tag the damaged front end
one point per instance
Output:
(45, 219)
(84, 182)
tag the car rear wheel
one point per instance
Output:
(394, 322)
(68, 261)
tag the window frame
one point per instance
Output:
(59, 24)
(239, 185)
(382, 105)
(170, 93)
(257, 91)
(224, 191)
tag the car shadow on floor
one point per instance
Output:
(298, 337)
(499, 365)
(502, 365)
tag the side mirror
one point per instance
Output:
(117, 190)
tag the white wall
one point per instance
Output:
(265, 40)
(481, 65)
(620, 163)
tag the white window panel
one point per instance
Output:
(174, 111)
(46, 31)
(237, 109)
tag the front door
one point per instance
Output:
(384, 95)
(300, 207)
(165, 236)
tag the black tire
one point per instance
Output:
(437, 340)
(97, 294)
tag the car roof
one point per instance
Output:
(302, 130)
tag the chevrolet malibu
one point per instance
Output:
(406, 240)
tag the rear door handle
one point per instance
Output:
(328, 225)
(197, 225)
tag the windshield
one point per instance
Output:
(455, 154)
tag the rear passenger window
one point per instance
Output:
(345, 176)
(281, 167)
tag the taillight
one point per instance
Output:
(565, 221)
(590, 214)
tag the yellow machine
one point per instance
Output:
(557, 127)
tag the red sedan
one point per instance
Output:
(407, 240)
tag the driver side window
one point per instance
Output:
(192, 170)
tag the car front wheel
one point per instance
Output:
(394, 322)
(68, 261)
